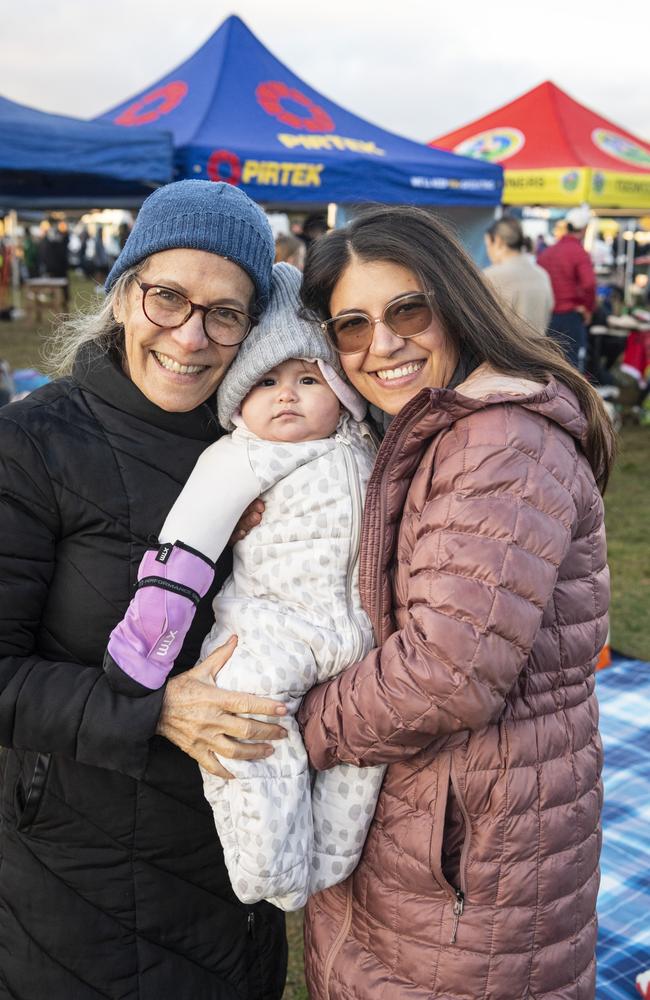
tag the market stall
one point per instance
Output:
(556, 151)
(238, 114)
(53, 161)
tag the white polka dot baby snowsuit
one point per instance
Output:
(293, 601)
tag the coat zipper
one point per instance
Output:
(459, 906)
(357, 508)
(461, 891)
(339, 939)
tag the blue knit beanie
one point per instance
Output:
(202, 215)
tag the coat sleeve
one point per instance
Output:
(45, 705)
(487, 546)
(205, 516)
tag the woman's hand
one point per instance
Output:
(203, 719)
(249, 520)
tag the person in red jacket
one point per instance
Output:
(574, 286)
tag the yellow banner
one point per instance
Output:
(566, 186)
(616, 189)
(557, 186)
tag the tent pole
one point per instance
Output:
(337, 215)
(629, 263)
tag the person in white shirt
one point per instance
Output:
(518, 281)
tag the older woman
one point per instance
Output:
(112, 881)
(483, 570)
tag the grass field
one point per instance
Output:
(21, 343)
(627, 505)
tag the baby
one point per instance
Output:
(292, 598)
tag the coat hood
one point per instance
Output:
(555, 401)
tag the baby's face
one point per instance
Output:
(292, 402)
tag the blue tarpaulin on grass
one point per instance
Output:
(624, 899)
(52, 159)
(238, 114)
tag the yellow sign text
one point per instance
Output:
(268, 172)
(330, 142)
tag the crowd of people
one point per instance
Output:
(303, 584)
(55, 247)
(555, 291)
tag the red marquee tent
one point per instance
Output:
(556, 151)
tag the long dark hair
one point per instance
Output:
(471, 316)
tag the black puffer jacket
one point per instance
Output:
(112, 881)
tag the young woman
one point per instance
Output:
(483, 569)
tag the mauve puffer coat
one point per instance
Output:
(484, 573)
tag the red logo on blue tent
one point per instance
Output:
(165, 98)
(274, 97)
(220, 158)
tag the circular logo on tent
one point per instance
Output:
(220, 159)
(495, 145)
(571, 180)
(164, 99)
(280, 101)
(621, 148)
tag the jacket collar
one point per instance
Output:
(484, 386)
(101, 374)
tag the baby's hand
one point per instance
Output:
(249, 520)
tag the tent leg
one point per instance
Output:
(629, 263)
(337, 216)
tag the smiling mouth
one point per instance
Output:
(174, 366)
(391, 374)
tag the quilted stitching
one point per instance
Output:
(499, 594)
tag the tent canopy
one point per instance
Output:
(54, 160)
(556, 151)
(238, 114)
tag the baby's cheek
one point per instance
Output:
(330, 417)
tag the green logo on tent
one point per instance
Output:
(495, 145)
(621, 148)
(598, 182)
(571, 180)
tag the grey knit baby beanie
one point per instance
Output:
(282, 334)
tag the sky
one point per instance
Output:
(416, 68)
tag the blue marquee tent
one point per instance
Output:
(52, 160)
(238, 114)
